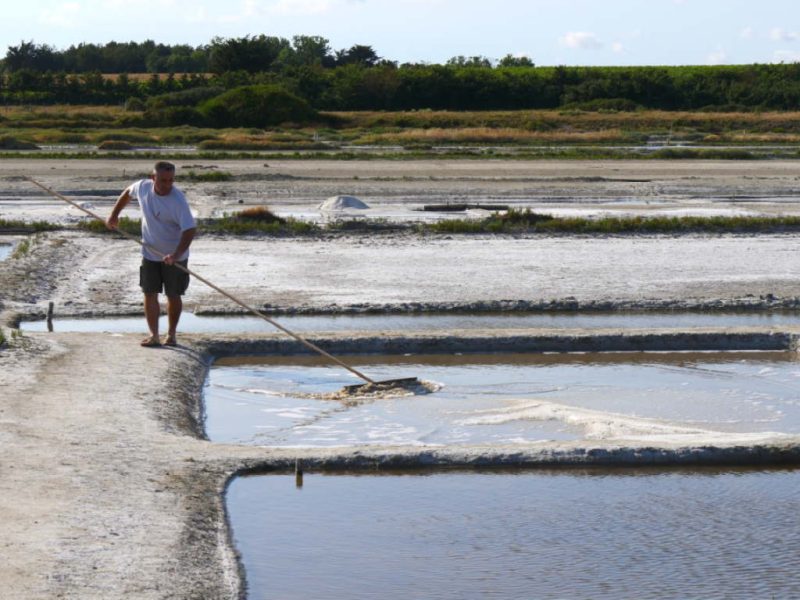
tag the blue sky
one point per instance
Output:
(549, 32)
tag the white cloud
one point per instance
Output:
(617, 48)
(62, 15)
(580, 39)
(785, 56)
(781, 35)
(197, 14)
(718, 57)
(746, 33)
(299, 8)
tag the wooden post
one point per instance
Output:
(50, 317)
(298, 473)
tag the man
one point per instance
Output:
(168, 229)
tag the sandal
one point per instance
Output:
(170, 341)
(150, 342)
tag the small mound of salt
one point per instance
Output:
(342, 203)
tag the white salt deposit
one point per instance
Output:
(602, 425)
(343, 203)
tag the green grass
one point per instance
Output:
(429, 153)
(526, 221)
(521, 134)
(211, 176)
(21, 250)
(235, 225)
(126, 224)
(15, 225)
(261, 221)
(705, 154)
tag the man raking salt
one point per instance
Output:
(168, 229)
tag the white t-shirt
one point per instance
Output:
(164, 218)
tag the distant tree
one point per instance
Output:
(357, 55)
(251, 54)
(31, 56)
(515, 61)
(186, 59)
(308, 50)
(89, 57)
(470, 61)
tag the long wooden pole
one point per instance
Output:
(272, 322)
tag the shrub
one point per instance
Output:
(172, 115)
(191, 97)
(260, 214)
(525, 218)
(605, 104)
(256, 106)
(11, 143)
(707, 154)
(114, 145)
(134, 104)
(210, 176)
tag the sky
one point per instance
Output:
(549, 32)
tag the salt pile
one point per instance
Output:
(342, 203)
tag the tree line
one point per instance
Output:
(358, 79)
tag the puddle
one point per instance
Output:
(702, 534)
(510, 399)
(5, 250)
(191, 323)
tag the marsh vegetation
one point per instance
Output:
(261, 221)
(523, 134)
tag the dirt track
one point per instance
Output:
(108, 489)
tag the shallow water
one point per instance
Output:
(191, 323)
(510, 399)
(545, 535)
(5, 250)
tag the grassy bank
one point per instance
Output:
(510, 222)
(527, 134)
(527, 221)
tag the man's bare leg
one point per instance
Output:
(152, 311)
(174, 309)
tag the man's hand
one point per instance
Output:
(112, 222)
(169, 259)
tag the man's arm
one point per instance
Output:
(183, 245)
(112, 222)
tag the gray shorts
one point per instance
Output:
(155, 277)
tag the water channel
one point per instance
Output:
(5, 250)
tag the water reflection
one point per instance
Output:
(674, 534)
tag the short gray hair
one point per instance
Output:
(164, 165)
